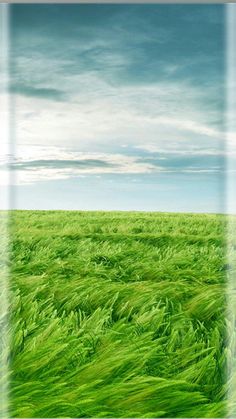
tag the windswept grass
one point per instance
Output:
(118, 315)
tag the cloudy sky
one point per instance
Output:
(118, 106)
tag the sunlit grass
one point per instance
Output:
(118, 315)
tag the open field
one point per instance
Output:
(118, 315)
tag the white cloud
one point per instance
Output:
(100, 120)
(43, 163)
(26, 169)
(176, 149)
(101, 115)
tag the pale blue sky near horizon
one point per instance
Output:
(118, 107)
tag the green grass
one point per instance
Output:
(118, 315)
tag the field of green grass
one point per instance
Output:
(118, 315)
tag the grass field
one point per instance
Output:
(118, 315)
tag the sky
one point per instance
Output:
(117, 107)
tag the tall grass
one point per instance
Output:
(118, 315)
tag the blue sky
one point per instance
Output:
(118, 106)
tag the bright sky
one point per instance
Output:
(118, 106)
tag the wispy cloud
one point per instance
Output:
(34, 164)
(38, 92)
(101, 116)
(39, 164)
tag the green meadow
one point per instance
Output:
(118, 315)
